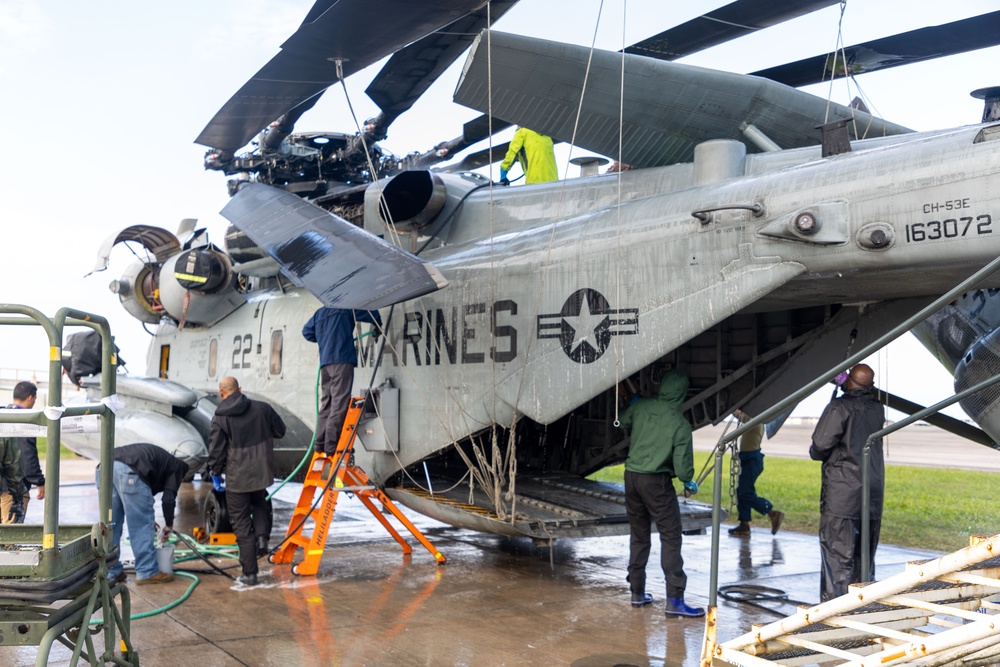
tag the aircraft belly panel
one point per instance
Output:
(547, 508)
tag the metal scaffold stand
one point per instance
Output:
(54, 578)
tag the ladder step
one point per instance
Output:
(319, 475)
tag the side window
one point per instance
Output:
(213, 357)
(277, 339)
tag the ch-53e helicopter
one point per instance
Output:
(745, 247)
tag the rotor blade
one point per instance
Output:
(662, 121)
(479, 158)
(734, 20)
(479, 128)
(721, 25)
(977, 32)
(340, 264)
(942, 421)
(412, 70)
(333, 33)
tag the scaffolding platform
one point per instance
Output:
(936, 612)
(54, 577)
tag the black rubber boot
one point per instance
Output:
(641, 599)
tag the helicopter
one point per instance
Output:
(745, 247)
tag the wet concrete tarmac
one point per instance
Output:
(495, 602)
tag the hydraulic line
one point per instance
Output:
(312, 442)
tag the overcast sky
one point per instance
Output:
(101, 103)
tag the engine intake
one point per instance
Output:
(412, 200)
(203, 270)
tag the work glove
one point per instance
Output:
(503, 178)
(16, 512)
(218, 482)
(690, 488)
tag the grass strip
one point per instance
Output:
(925, 508)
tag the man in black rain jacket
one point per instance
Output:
(839, 441)
(241, 446)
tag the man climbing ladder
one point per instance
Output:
(334, 474)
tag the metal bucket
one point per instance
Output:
(165, 558)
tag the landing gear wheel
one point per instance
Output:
(295, 570)
(216, 513)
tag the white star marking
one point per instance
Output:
(584, 327)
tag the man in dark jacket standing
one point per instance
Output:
(660, 449)
(839, 441)
(25, 393)
(10, 473)
(333, 330)
(140, 472)
(241, 446)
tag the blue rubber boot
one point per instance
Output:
(641, 599)
(677, 609)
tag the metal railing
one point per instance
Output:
(866, 463)
(20, 315)
(821, 380)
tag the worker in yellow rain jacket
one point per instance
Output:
(534, 152)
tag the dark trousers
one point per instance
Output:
(650, 498)
(336, 382)
(840, 552)
(751, 466)
(248, 515)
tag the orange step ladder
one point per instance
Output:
(347, 478)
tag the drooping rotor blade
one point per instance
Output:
(335, 31)
(479, 128)
(721, 25)
(478, 159)
(473, 132)
(734, 20)
(977, 32)
(340, 264)
(412, 70)
(662, 120)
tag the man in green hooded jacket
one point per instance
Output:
(660, 449)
